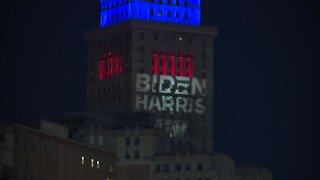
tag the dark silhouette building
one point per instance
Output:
(48, 154)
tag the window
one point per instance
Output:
(166, 167)
(136, 154)
(178, 2)
(204, 42)
(204, 54)
(98, 164)
(100, 140)
(82, 160)
(127, 155)
(177, 14)
(155, 37)
(137, 141)
(141, 49)
(141, 70)
(92, 162)
(31, 177)
(151, 12)
(169, 1)
(165, 37)
(141, 35)
(18, 142)
(158, 168)
(111, 168)
(91, 139)
(45, 149)
(127, 141)
(178, 167)
(188, 167)
(169, 13)
(203, 75)
(199, 167)
(204, 65)
(160, 13)
(186, 3)
(185, 15)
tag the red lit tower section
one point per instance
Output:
(110, 64)
(172, 65)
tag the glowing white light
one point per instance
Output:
(98, 164)
(92, 162)
(82, 160)
(180, 38)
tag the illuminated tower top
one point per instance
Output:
(185, 12)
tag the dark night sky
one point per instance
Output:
(265, 69)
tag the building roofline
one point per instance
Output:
(203, 30)
(63, 139)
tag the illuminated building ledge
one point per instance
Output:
(113, 12)
(203, 30)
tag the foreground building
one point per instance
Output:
(139, 154)
(38, 154)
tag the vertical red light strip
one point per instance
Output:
(110, 64)
(115, 63)
(181, 63)
(164, 62)
(101, 69)
(189, 59)
(173, 63)
(105, 66)
(120, 62)
(155, 62)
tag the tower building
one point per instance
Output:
(153, 56)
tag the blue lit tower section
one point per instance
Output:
(186, 12)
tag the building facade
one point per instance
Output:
(159, 60)
(35, 154)
(140, 156)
